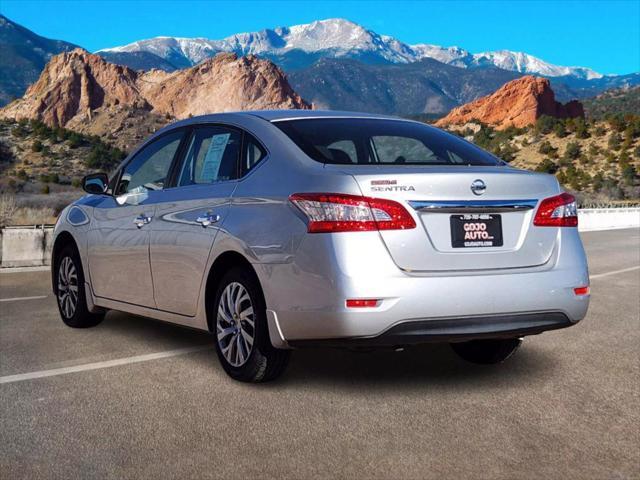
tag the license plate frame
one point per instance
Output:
(476, 230)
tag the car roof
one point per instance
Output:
(277, 115)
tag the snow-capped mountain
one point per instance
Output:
(336, 38)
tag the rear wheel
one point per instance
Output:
(242, 336)
(487, 352)
(70, 292)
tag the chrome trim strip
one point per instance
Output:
(345, 117)
(473, 206)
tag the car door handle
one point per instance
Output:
(141, 220)
(208, 219)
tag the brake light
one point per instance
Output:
(558, 211)
(337, 212)
(580, 291)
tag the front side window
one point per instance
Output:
(380, 141)
(212, 156)
(149, 169)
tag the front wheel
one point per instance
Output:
(70, 291)
(487, 352)
(242, 336)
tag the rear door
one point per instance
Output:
(190, 215)
(456, 218)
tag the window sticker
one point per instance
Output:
(211, 163)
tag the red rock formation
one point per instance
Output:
(517, 103)
(76, 84)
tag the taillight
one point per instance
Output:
(558, 211)
(337, 212)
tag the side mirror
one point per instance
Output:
(96, 183)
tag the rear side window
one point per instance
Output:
(253, 153)
(212, 156)
(380, 141)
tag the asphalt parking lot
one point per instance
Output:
(567, 405)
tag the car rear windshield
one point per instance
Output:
(377, 141)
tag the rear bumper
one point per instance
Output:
(306, 298)
(451, 330)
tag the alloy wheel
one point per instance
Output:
(67, 287)
(235, 325)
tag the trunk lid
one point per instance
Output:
(436, 194)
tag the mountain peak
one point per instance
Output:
(339, 38)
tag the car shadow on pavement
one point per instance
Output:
(169, 335)
(432, 364)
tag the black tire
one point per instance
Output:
(264, 362)
(70, 290)
(487, 352)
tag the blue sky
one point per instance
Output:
(603, 35)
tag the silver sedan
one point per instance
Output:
(276, 230)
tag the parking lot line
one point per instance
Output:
(614, 272)
(98, 365)
(17, 299)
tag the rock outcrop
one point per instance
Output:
(77, 86)
(517, 103)
(220, 84)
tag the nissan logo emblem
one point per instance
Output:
(478, 187)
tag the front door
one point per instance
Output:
(118, 240)
(189, 217)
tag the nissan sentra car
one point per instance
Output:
(276, 230)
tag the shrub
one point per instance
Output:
(8, 208)
(19, 131)
(598, 181)
(36, 146)
(546, 148)
(629, 174)
(45, 189)
(75, 140)
(560, 130)
(547, 166)
(572, 151)
(581, 129)
(545, 124)
(614, 141)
